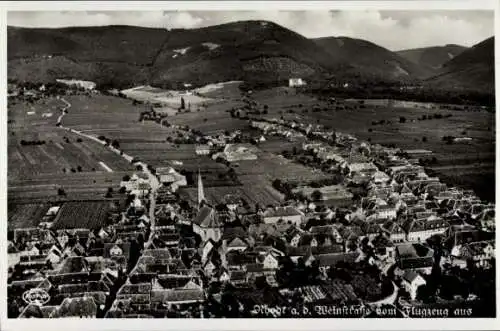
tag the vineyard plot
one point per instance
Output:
(82, 214)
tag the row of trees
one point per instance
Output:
(113, 143)
(384, 90)
(32, 142)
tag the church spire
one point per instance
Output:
(201, 193)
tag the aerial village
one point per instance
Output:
(382, 240)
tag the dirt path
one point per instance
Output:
(108, 169)
(153, 181)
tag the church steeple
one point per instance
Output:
(201, 193)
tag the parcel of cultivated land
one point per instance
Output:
(31, 168)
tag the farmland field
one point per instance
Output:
(272, 166)
(276, 144)
(75, 185)
(476, 157)
(26, 215)
(82, 214)
(62, 152)
(159, 153)
(212, 120)
(58, 155)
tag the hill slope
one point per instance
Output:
(473, 69)
(248, 50)
(432, 57)
(254, 51)
(370, 58)
(131, 55)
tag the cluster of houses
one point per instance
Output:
(75, 269)
(164, 259)
(402, 203)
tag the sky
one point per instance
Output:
(395, 30)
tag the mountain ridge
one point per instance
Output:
(124, 55)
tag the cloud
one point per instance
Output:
(392, 29)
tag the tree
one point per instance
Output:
(402, 119)
(109, 193)
(126, 178)
(316, 195)
(61, 192)
(277, 184)
(183, 103)
(79, 168)
(122, 190)
(424, 139)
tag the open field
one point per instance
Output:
(479, 153)
(212, 120)
(277, 144)
(159, 153)
(82, 214)
(101, 111)
(168, 97)
(272, 166)
(58, 155)
(118, 118)
(77, 186)
(225, 90)
(61, 150)
(26, 215)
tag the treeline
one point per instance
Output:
(389, 91)
(32, 142)
(51, 88)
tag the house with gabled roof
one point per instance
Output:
(351, 235)
(394, 231)
(71, 265)
(330, 231)
(480, 253)
(421, 230)
(411, 281)
(236, 244)
(292, 236)
(384, 247)
(83, 307)
(371, 230)
(288, 214)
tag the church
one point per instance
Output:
(207, 223)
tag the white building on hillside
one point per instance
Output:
(296, 82)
